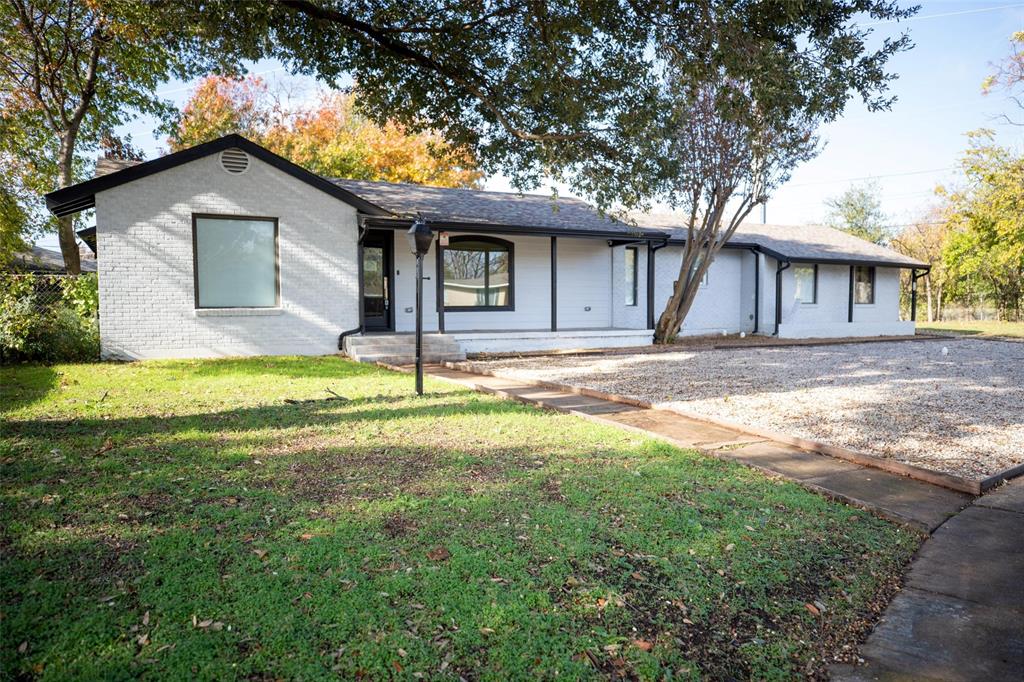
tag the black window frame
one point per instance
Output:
(871, 273)
(509, 248)
(814, 300)
(633, 286)
(195, 260)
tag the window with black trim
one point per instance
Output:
(235, 261)
(863, 284)
(631, 274)
(806, 278)
(478, 274)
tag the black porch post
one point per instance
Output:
(849, 314)
(779, 267)
(439, 285)
(554, 284)
(757, 290)
(913, 295)
(650, 285)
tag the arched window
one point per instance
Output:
(478, 274)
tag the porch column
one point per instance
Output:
(650, 285)
(849, 314)
(913, 295)
(554, 284)
(439, 285)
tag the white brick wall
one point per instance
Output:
(584, 274)
(719, 304)
(144, 236)
(147, 306)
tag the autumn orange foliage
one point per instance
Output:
(330, 138)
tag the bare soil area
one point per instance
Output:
(958, 410)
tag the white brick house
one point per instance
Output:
(227, 249)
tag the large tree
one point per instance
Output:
(926, 240)
(70, 72)
(730, 156)
(858, 211)
(329, 137)
(985, 253)
(570, 91)
(1009, 77)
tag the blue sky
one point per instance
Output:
(908, 150)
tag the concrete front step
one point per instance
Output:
(400, 349)
(409, 359)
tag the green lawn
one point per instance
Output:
(180, 520)
(986, 328)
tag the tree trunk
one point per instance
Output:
(66, 224)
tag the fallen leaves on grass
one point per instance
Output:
(439, 554)
(642, 644)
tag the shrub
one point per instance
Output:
(48, 318)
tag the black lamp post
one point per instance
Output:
(420, 238)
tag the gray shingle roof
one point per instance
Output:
(816, 243)
(448, 205)
(444, 204)
(43, 260)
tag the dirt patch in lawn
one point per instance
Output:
(951, 405)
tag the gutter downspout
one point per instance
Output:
(913, 292)
(359, 255)
(778, 294)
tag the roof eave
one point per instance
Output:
(82, 196)
(498, 228)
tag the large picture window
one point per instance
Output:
(863, 284)
(236, 262)
(631, 274)
(478, 274)
(806, 277)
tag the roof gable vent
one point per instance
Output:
(234, 161)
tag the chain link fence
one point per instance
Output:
(49, 318)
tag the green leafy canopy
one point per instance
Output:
(572, 91)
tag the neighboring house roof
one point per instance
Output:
(799, 243)
(105, 166)
(395, 204)
(82, 196)
(448, 206)
(42, 260)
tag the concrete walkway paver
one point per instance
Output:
(960, 615)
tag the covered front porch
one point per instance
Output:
(501, 291)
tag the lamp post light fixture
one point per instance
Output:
(420, 237)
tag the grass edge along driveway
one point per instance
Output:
(180, 519)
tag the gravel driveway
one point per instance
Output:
(960, 412)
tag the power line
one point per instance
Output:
(872, 177)
(943, 14)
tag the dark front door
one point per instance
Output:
(377, 281)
